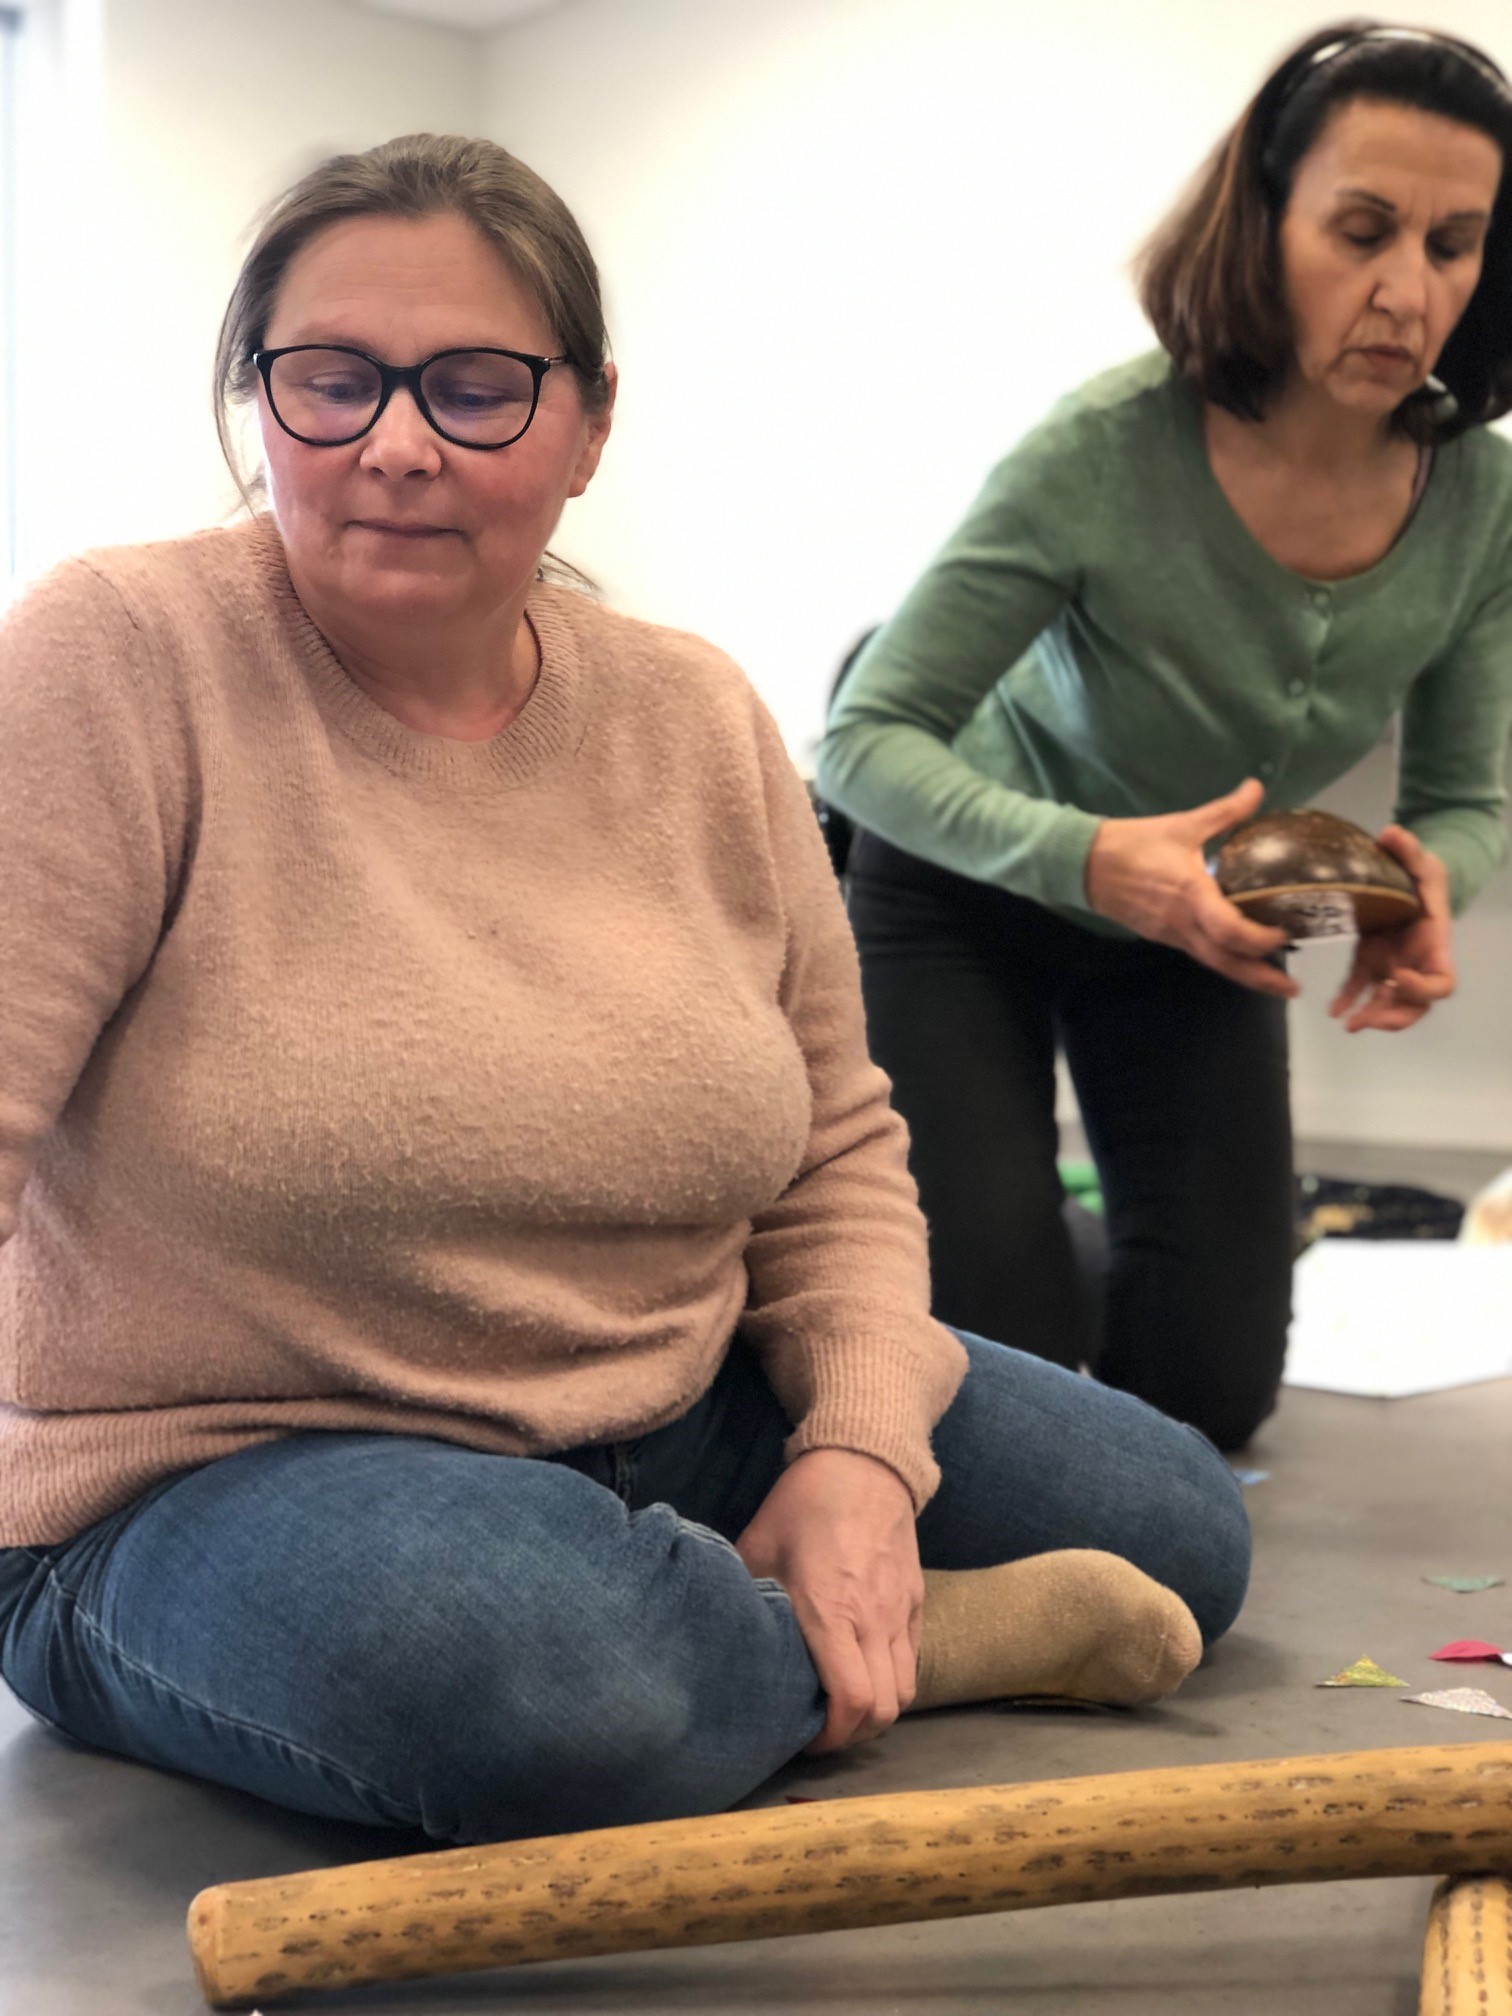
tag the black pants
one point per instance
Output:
(1182, 1081)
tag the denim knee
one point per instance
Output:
(1218, 1593)
(669, 1684)
(611, 1749)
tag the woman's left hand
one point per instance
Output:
(1398, 975)
(837, 1531)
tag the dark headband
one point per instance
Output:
(1357, 37)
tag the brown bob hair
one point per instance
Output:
(1209, 277)
(421, 175)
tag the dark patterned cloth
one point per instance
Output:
(1329, 1208)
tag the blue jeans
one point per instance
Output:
(400, 1631)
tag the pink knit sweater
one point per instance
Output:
(354, 1078)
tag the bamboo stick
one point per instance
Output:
(1423, 1810)
(1467, 1955)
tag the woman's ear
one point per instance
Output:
(599, 423)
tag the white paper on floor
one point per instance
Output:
(1389, 1317)
(1463, 1700)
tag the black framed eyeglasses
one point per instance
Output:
(327, 395)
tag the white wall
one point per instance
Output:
(852, 249)
(155, 130)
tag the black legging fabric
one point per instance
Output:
(1183, 1086)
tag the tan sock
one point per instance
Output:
(1078, 1625)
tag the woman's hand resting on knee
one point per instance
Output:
(837, 1531)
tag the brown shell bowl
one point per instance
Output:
(1314, 875)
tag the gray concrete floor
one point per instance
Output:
(98, 1858)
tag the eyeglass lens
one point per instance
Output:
(476, 396)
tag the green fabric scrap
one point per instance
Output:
(1363, 1673)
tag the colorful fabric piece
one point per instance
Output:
(1363, 1673)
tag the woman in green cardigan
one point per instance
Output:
(1228, 564)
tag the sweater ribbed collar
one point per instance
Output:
(547, 729)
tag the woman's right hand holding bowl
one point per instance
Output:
(1152, 876)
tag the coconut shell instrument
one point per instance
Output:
(1314, 875)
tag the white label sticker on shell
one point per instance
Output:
(1314, 913)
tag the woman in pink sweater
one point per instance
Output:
(465, 1352)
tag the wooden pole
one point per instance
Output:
(1467, 1955)
(843, 1863)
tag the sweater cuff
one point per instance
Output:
(880, 1398)
(1060, 864)
(1472, 847)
